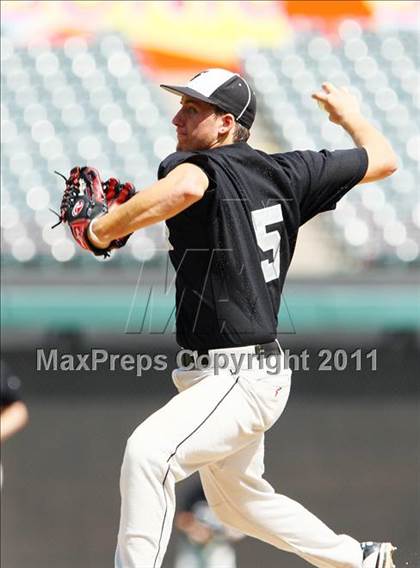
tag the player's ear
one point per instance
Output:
(227, 122)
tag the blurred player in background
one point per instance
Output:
(204, 542)
(14, 413)
(233, 215)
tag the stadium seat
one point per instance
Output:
(375, 225)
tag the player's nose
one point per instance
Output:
(177, 119)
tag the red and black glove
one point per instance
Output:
(116, 194)
(85, 198)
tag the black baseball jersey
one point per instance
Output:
(232, 249)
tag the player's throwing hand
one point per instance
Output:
(341, 105)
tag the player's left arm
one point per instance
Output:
(343, 109)
(181, 188)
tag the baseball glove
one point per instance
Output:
(116, 194)
(87, 197)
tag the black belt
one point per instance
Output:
(262, 351)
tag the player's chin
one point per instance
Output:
(185, 144)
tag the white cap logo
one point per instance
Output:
(206, 83)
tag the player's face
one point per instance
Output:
(197, 125)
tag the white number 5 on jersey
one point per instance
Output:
(261, 218)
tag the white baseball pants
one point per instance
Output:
(216, 425)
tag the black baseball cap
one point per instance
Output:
(228, 91)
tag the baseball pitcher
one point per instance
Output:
(233, 214)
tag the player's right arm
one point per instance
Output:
(343, 109)
(180, 189)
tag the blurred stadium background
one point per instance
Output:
(80, 85)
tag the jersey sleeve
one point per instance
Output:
(321, 179)
(200, 159)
